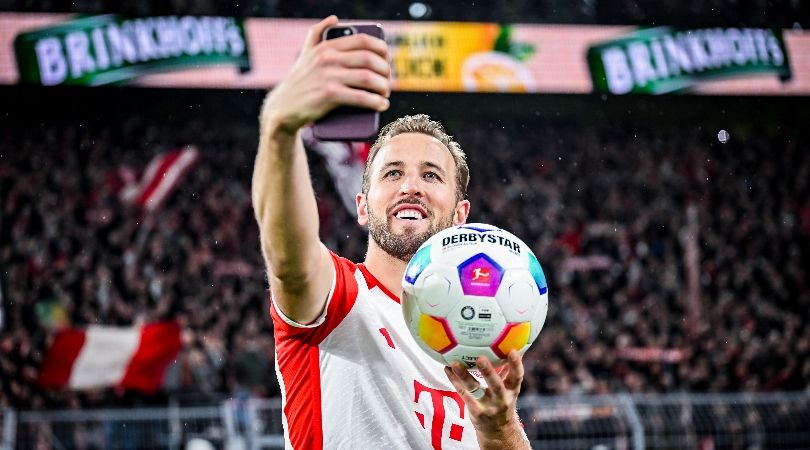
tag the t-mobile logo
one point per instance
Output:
(437, 422)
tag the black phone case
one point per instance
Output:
(349, 123)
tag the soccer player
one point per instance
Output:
(351, 375)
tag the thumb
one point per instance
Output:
(315, 33)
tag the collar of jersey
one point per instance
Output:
(373, 282)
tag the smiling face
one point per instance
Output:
(411, 194)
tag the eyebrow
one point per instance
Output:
(423, 164)
(390, 164)
(433, 166)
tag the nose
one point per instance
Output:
(411, 186)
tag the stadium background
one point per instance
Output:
(612, 192)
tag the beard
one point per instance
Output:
(403, 246)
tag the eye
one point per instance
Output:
(392, 173)
(433, 176)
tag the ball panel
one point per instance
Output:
(539, 317)
(476, 321)
(518, 297)
(468, 354)
(537, 273)
(410, 310)
(438, 290)
(435, 333)
(436, 356)
(479, 227)
(514, 337)
(417, 264)
(460, 243)
(480, 275)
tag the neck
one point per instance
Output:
(387, 269)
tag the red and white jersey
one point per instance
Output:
(356, 379)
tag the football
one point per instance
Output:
(474, 290)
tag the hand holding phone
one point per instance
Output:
(346, 123)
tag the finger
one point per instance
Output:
(344, 95)
(455, 380)
(503, 371)
(365, 59)
(469, 381)
(462, 385)
(316, 31)
(514, 377)
(494, 381)
(472, 404)
(365, 79)
(461, 388)
(360, 41)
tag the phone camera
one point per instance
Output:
(333, 33)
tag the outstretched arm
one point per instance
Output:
(353, 71)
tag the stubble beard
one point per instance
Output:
(402, 246)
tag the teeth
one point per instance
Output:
(409, 214)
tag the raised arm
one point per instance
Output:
(352, 71)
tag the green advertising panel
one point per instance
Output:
(108, 49)
(663, 59)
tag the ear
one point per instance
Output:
(360, 202)
(461, 213)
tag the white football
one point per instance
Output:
(474, 290)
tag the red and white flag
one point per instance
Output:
(98, 356)
(345, 162)
(160, 178)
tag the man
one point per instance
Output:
(350, 373)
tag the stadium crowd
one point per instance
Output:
(675, 262)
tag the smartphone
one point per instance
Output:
(346, 123)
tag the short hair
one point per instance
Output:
(421, 123)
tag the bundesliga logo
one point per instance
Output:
(480, 277)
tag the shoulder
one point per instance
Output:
(342, 296)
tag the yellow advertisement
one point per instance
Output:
(473, 57)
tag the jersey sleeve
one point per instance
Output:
(339, 302)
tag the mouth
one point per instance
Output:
(409, 212)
